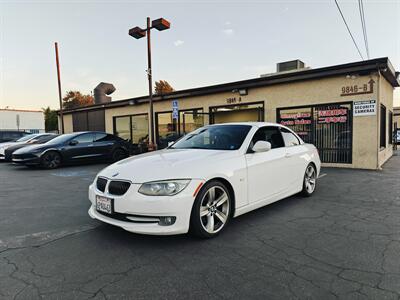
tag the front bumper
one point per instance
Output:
(26, 160)
(134, 203)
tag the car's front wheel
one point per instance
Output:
(309, 181)
(51, 160)
(211, 210)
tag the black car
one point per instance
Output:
(38, 139)
(11, 135)
(79, 147)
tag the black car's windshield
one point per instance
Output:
(26, 137)
(61, 139)
(219, 137)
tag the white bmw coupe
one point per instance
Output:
(203, 180)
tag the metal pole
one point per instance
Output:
(152, 145)
(59, 88)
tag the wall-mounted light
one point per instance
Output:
(243, 92)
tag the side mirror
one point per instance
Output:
(73, 143)
(261, 146)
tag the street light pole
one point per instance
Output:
(59, 89)
(152, 145)
(137, 32)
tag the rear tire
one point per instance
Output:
(51, 160)
(309, 181)
(211, 210)
(118, 154)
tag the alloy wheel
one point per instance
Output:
(310, 179)
(51, 160)
(214, 209)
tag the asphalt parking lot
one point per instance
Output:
(344, 242)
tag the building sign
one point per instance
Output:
(364, 108)
(233, 100)
(175, 110)
(337, 115)
(366, 88)
(290, 119)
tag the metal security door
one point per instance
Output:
(332, 132)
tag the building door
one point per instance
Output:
(333, 132)
(252, 112)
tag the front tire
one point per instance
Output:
(51, 160)
(309, 181)
(211, 210)
(118, 154)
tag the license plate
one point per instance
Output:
(104, 204)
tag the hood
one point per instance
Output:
(33, 148)
(4, 146)
(167, 164)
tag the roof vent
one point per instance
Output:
(101, 91)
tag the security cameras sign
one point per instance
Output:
(175, 110)
(364, 108)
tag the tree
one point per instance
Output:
(50, 119)
(162, 87)
(74, 99)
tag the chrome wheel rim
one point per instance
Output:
(214, 209)
(310, 179)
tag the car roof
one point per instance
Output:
(254, 124)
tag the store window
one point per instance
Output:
(245, 112)
(328, 127)
(383, 127)
(122, 127)
(169, 129)
(134, 129)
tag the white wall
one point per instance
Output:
(28, 120)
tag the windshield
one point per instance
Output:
(219, 137)
(26, 137)
(61, 139)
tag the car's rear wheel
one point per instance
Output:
(310, 181)
(118, 154)
(51, 160)
(211, 211)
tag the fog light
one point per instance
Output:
(167, 221)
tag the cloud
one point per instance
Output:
(228, 31)
(178, 43)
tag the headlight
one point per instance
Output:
(164, 188)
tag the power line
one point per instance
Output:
(348, 29)
(364, 27)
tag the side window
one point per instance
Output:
(84, 138)
(269, 134)
(289, 138)
(104, 137)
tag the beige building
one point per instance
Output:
(345, 110)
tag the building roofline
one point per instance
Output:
(20, 110)
(360, 67)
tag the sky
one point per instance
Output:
(209, 42)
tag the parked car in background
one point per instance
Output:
(11, 135)
(24, 139)
(79, 147)
(38, 139)
(206, 178)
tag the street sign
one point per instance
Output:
(175, 110)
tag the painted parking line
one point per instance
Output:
(322, 175)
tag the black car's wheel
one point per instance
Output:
(50, 160)
(211, 210)
(118, 154)
(309, 181)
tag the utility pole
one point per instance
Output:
(59, 89)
